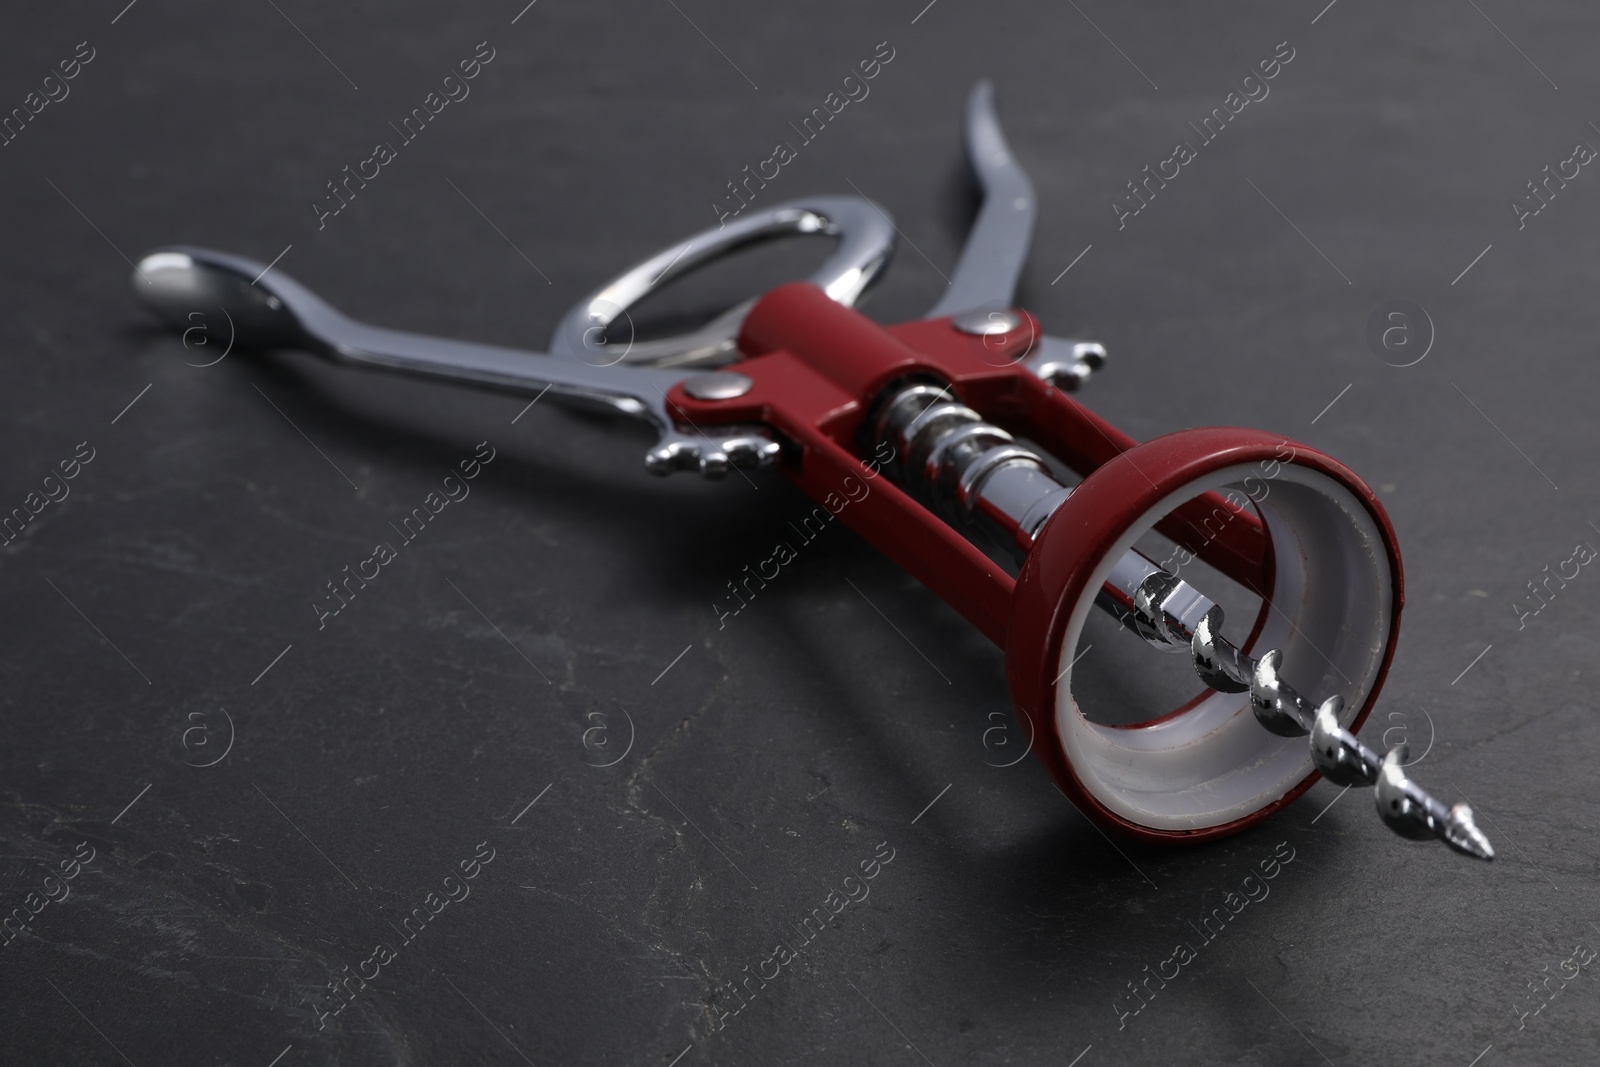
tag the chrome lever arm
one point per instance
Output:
(984, 284)
(997, 246)
(267, 308)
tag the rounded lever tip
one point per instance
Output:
(187, 289)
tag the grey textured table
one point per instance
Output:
(160, 616)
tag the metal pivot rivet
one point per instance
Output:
(986, 322)
(717, 385)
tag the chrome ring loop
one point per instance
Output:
(866, 242)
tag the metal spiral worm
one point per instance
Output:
(976, 474)
(1407, 808)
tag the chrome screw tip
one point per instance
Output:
(1462, 834)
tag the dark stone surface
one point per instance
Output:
(777, 753)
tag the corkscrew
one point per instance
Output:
(972, 404)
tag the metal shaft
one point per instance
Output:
(977, 477)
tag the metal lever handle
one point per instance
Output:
(997, 246)
(267, 308)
